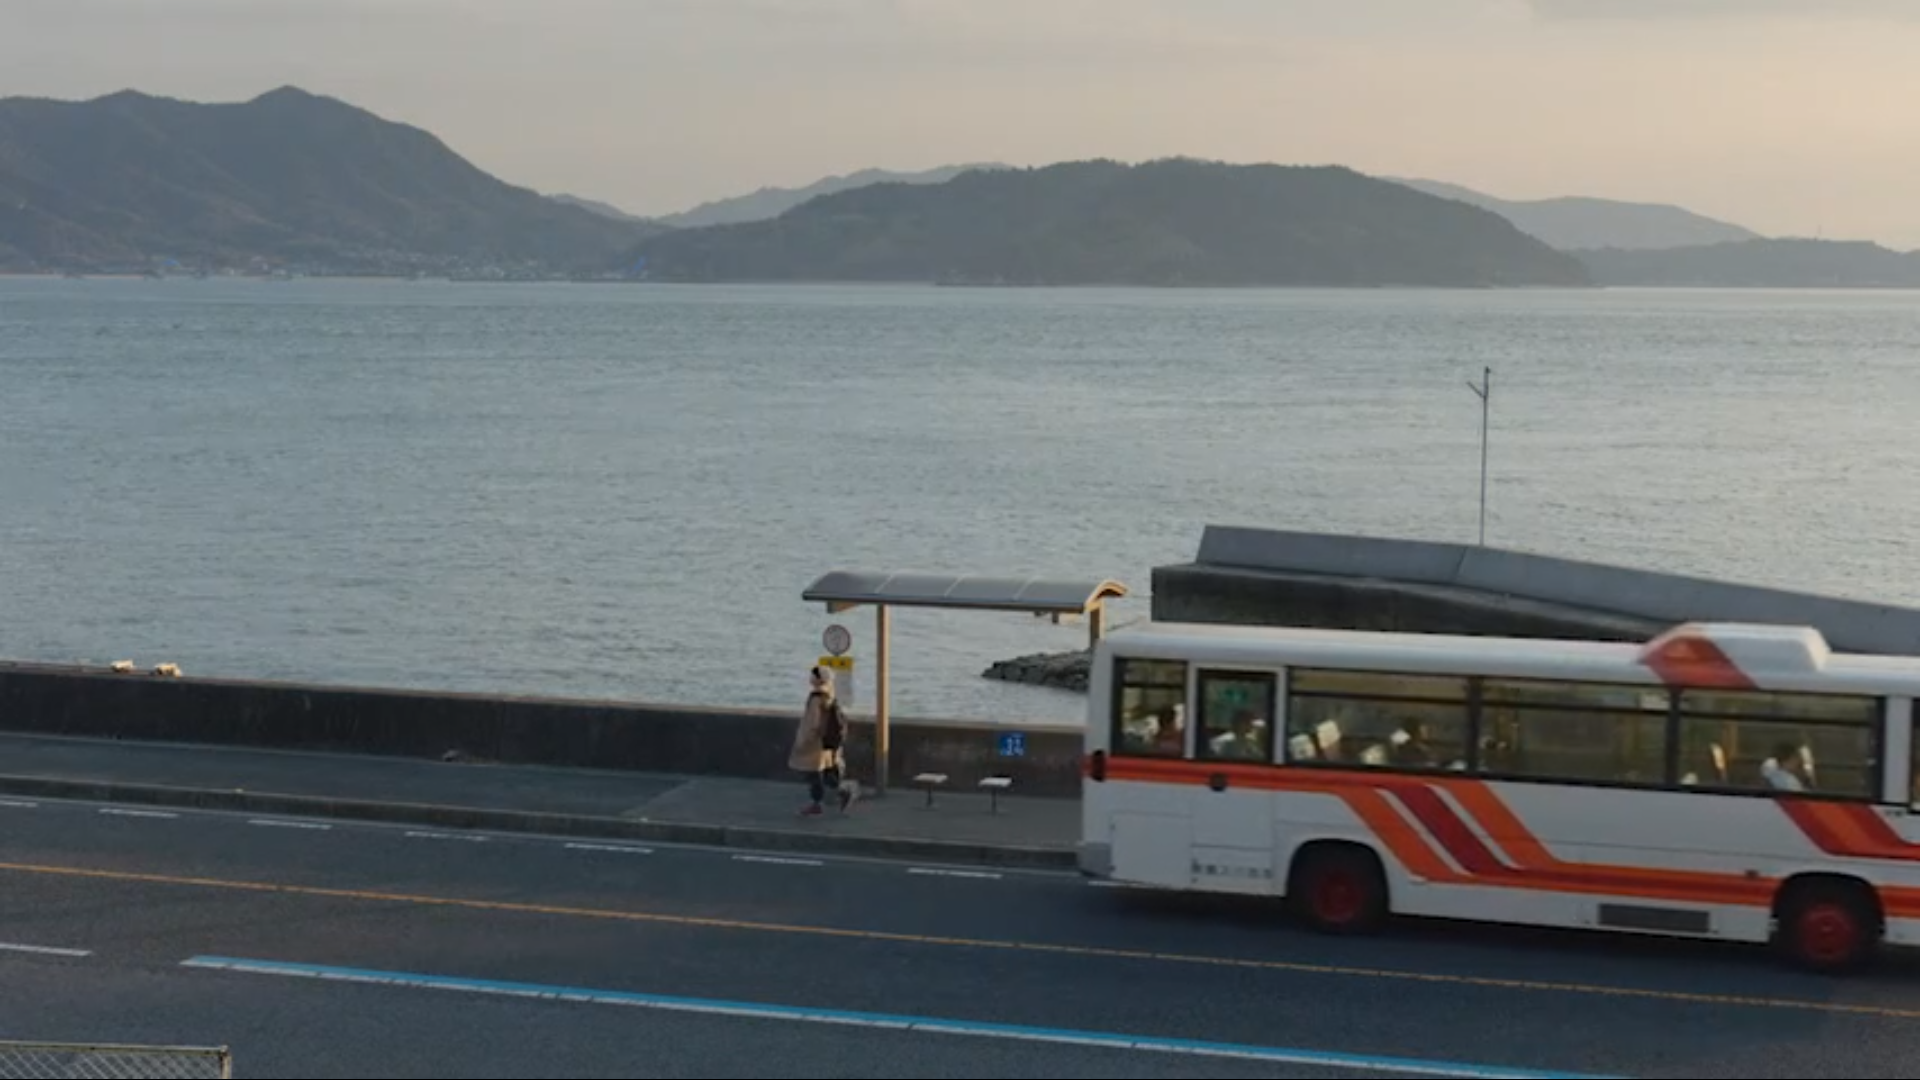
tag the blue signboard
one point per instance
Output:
(1013, 744)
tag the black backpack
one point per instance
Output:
(833, 727)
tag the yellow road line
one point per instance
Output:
(1032, 947)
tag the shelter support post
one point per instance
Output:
(882, 720)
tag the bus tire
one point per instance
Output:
(1338, 888)
(1827, 924)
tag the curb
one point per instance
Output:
(535, 822)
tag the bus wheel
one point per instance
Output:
(1338, 889)
(1827, 926)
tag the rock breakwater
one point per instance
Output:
(1061, 671)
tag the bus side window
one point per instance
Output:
(1150, 708)
(1379, 719)
(1236, 716)
(1545, 729)
(1779, 742)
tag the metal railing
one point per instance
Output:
(56, 1061)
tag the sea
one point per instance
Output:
(621, 491)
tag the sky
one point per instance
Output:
(1792, 117)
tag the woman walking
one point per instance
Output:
(819, 745)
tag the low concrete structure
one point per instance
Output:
(743, 743)
(1274, 577)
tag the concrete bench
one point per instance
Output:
(993, 786)
(930, 782)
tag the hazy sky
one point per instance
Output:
(1790, 116)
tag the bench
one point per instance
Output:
(993, 786)
(929, 782)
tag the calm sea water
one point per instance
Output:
(619, 491)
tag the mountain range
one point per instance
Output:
(1573, 223)
(1576, 223)
(1760, 264)
(771, 202)
(1176, 222)
(295, 181)
(128, 180)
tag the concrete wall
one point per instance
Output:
(753, 744)
(1316, 579)
(1206, 594)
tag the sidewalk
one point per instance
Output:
(650, 807)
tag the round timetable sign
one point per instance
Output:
(838, 639)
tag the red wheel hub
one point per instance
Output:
(1338, 897)
(1829, 933)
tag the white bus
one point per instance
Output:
(1724, 781)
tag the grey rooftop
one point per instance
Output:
(843, 589)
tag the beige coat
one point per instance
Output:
(808, 755)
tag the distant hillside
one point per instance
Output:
(1102, 223)
(130, 180)
(771, 202)
(1777, 264)
(605, 210)
(1577, 223)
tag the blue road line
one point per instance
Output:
(915, 1024)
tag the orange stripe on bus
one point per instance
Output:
(1534, 866)
(1685, 657)
(1836, 831)
(1880, 837)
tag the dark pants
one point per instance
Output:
(820, 782)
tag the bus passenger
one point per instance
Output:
(1246, 742)
(1411, 747)
(1170, 735)
(1783, 771)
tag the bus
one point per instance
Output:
(1723, 781)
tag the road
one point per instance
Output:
(327, 949)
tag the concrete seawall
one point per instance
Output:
(744, 743)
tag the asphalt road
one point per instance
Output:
(336, 950)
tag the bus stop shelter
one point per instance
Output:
(1058, 598)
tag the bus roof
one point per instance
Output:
(1718, 655)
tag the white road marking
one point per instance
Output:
(985, 875)
(481, 836)
(42, 950)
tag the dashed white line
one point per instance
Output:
(113, 811)
(269, 823)
(43, 950)
(777, 861)
(929, 871)
(447, 836)
(15, 804)
(621, 849)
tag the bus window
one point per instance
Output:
(1574, 731)
(1358, 718)
(1150, 708)
(1236, 716)
(1820, 744)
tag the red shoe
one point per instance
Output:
(812, 811)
